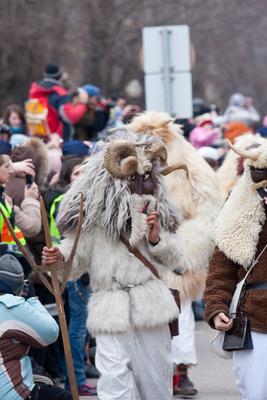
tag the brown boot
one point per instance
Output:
(183, 387)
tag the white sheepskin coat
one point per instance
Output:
(197, 196)
(240, 222)
(199, 199)
(114, 307)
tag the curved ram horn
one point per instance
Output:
(157, 150)
(120, 159)
(250, 154)
(174, 167)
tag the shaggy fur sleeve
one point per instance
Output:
(220, 286)
(198, 234)
(81, 262)
(169, 251)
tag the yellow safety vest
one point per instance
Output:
(54, 232)
(5, 235)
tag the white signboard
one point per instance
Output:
(168, 83)
(181, 91)
(179, 44)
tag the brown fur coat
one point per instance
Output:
(223, 276)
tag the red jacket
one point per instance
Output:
(61, 112)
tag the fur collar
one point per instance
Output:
(240, 222)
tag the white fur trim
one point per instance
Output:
(240, 222)
(155, 300)
(112, 267)
(109, 312)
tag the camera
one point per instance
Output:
(29, 180)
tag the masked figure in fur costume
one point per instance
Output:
(130, 309)
(232, 167)
(197, 196)
(241, 237)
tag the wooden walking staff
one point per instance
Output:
(59, 271)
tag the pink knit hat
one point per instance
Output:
(55, 161)
(202, 137)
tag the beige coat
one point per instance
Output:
(28, 217)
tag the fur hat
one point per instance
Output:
(35, 149)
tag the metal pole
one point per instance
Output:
(167, 78)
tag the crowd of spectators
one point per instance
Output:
(46, 163)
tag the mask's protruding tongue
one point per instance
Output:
(140, 207)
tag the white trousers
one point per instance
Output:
(183, 346)
(250, 368)
(135, 365)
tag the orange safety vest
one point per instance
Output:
(5, 235)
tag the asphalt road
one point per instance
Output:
(213, 376)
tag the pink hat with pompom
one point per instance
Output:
(202, 137)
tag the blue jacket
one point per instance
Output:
(23, 323)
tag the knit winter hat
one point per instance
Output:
(18, 139)
(202, 137)
(235, 129)
(75, 147)
(52, 71)
(5, 129)
(11, 275)
(5, 147)
(92, 90)
(237, 99)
